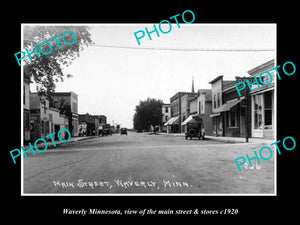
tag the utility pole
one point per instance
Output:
(243, 79)
(179, 101)
(246, 114)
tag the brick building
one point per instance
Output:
(67, 102)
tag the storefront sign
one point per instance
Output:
(250, 81)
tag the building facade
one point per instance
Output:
(58, 121)
(224, 107)
(67, 102)
(200, 106)
(180, 110)
(263, 102)
(26, 110)
(39, 116)
(216, 91)
(102, 122)
(236, 112)
(92, 123)
(204, 109)
(166, 115)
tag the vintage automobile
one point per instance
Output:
(194, 126)
(123, 131)
(106, 132)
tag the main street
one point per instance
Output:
(141, 163)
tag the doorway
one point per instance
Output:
(56, 129)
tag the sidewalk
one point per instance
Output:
(57, 142)
(229, 139)
(240, 140)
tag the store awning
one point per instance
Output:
(215, 114)
(172, 121)
(228, 105)
(191, 119)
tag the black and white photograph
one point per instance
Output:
(144, 109)
(149, 111)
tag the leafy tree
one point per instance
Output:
(147, 113)
(48, 69)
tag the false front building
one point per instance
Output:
(230, 112)
(180, 110)
(67, 103)
(262, 102)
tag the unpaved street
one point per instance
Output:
(143, 163)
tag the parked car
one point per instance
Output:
(123, 131)
(193, 128)
(106, 132)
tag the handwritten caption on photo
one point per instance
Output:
(122, 184)
(263, 157)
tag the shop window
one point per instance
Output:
(231, 118)
(268, 109)
(258, 112)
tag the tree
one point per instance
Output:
(48, 69)
(147, 113)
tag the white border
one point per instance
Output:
(146, 194)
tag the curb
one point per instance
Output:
(225, 140)
(50, 143)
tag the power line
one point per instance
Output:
(190, 49)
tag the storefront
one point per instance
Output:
(217, 124)
(172, 125)
(229, 119)
(263, 114)
(263, 102)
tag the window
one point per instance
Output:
(55, 104)
(219, 99)
(74, 104)
(166, 118)
(201, 106)
(215, 101)
(166, 109)
(231, 118)
(268, 109)
(267, 79)
(258, 112)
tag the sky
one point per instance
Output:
(111, 81)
